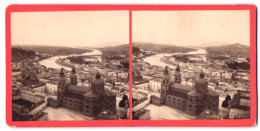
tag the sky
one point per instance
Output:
(192, 28)
(73, 29)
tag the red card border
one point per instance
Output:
(121, 123)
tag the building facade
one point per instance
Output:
(191, 99)
(90, 101)
(240, 105)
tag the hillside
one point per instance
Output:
(21, 54)
(231, 49)
(118, 49)
(54, 50)
(161, 48)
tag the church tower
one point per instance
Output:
(73, 76)
(98, 84)
(165, 83)
(177, 75)
(61, 87)
(201, 83)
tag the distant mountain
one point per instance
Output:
(161, 48)
(230, 49)
(52, 50)
(208, 44)
(106, 44)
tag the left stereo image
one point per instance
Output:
(69, 65)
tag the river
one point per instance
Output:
(155, 59)
(50, 62)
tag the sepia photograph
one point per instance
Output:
(191, 65)
(70, 65)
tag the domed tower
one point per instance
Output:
(73, 76)
(195, 97)
(98, 84)
(177, 74)
(165, 82)
(61, 87)
(201, 83)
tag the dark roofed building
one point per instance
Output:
(191, 99)
(91, 101)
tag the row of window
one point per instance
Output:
(176, 99)
(71, 104)
(70, 100)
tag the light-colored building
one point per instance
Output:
(236, 113)
(144, 84)
(138, 95)
(51, 87)
(240, 106)
(155, 85)
(39, 88)
(31, 96)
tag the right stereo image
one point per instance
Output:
(190, 65)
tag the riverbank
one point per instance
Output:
(61, 62)
(168, 63)
(52, 62)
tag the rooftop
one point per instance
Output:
(138, 102)
(77, 88)
(74, 95)
(181, 86)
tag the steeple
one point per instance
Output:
(166, 71)
(98, 84)
(178, 68)
(62, 75)
(98, 76)
(61, 72)
(73, 71)
(165, 83)
(201, 84)
(73, 76)
(177, 74)
(61, 87)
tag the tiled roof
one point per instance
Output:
(77, 88)
(74, 95)
(181, 87)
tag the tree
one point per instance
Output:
(122, 103)
(225, 102)
(228, 97)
